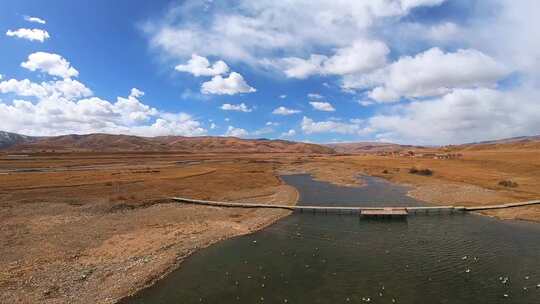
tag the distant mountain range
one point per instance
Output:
(126, 143)
(521, 142)
(8, 139)
(369, 147)
(14, 142)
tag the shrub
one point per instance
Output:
(508, 183)
(385, 172)
(425, 172)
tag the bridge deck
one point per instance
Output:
(359, 210)
(384, 212)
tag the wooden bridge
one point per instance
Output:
(363, 211)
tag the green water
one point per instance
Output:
(306, 258)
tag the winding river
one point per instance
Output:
(317, 258)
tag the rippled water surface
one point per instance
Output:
(307, 258)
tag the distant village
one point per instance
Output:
(413, 154)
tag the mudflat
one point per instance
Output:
(96, 227)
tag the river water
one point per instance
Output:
(317, 258)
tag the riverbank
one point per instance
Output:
(470, 180)
(99, 233)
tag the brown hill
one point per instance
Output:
(368, 147)
(128, 143)
(514, 143)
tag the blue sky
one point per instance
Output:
(408, 71)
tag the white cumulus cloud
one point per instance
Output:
(242, 107)
(52, 64)
(236, 132)
(231, 85)
(360, 57)
(200, 66)
(29, 34)
(285, 111)
(309, 126)
(247, 30)
(322, 106)
(430, 73)
(67, 106)
(289, 133)
(136, 93)
(315, 96)
(66, 88)
(464, 115)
